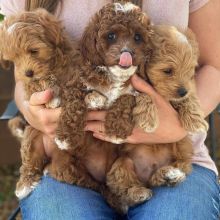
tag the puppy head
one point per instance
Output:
(172, 65)
(117, 35)
(33, 41)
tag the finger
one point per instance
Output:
(95, 126)
(41, 98)
(113, 140)
(142, 86)
(52, 115)
(96, 116)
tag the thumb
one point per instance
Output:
(41, 98)
(142, 86)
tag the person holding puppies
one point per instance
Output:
(198, 196)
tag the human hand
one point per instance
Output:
(169, 129)
(35, 112)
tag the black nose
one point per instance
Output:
(29, 73)
(182, 92)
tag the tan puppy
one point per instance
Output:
(43, 57)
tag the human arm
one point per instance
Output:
(207, 32)
(37, 115)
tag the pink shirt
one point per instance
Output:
(75, 14)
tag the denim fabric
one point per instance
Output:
(197, 198)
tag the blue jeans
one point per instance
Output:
(197, 198)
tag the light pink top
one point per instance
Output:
(76, 13)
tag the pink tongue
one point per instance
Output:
(125, 59)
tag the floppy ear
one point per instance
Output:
(54, 34)
(88, 43)
(192, 40)
(52, 26)
(5, 64)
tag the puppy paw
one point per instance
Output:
(145, 113)
(54, 103)
(138, 195)
(24, 189)
(19, 133)
(195, 124)
(63, 145)
(17, 127)
(168, 175)
(95, 100)
(115, 140)
(174, 176)
(147, 125)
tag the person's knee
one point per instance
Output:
(52, 199)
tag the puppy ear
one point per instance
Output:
(5, 64)
(53, 28)
(192, 40)
(54, 34)
(88, 43)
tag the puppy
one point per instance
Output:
(171, 71)
(113, 47)
(44, 57)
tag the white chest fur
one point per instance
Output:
(118, 77)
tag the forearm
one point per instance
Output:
(208, 88)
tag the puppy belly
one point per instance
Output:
(147, 159)
(99, 158)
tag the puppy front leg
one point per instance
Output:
(191, 115)
(70, 132)
(119, 121)
(145, 113)
(33, 162)
(95, 100)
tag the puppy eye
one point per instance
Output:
(33, 51)
(168, 71)
(137, 38)
(111, 36)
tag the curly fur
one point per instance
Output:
(44, 57)
(100, 82)
(171, 71)
(141, 166)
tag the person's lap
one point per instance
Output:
(198, 197)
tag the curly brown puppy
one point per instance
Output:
(43, 57)
(115, 45)
(171, 71)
